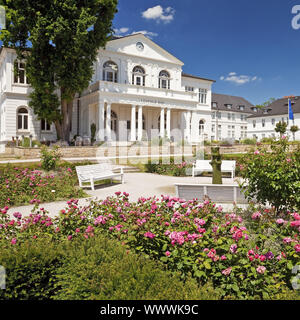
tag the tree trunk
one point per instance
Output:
(66, 122)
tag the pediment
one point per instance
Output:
(150, 49)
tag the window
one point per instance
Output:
(214, 105)
(228, 106)
(213, 127)
(263, 122)
(110, 71)
(254, 123)
(45, 125)
(243, 132)
(201, 127)
(242, 108)
(164, 80)
(22, 119)
(229, 116)
(254, 109)
(20, 73)
(189, 89)
(213, 115)
(138, 76)
(219, 115)
(243, 117)
(202, 95)
(233, 117)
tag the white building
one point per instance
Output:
(229, 117)
(138, 92)
(263, 122)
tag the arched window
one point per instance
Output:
(110, 71)
(113, 119)
(164, 80)
(138, 76)
(22, 119)
(201, 127)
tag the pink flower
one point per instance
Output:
(297, 247)
(287, 240)
(261, 269)
(256, 215)
(288, 160)
(233, 248)
(227, 271)
(256, 152)
(149, 234)
(223, 258)
(295, 223)
(13, 241)
(77, 230)
(168, 253)
(280, 221)
(70, 237)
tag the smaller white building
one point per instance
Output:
(229, 117)
(263, 122)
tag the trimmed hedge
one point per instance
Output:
(94, 269)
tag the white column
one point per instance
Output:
(190, 126)
(133, 124)
(162, 123)
(108, 121)
(101, 121)
(169, 123)
(187, 126)
(140, 123)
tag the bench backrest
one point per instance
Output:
(94, 169)
(203, 164)
(228, 165)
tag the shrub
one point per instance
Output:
(267, 140)
(50, 158)
(30, 269)
(101, 269)
(249, 141)
(273, 177)
(19, 185)
(97, 268)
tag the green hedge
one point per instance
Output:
(97, 268)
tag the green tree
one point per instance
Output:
(266, 103)
(59, 41)
(294, 129)
(281, 128)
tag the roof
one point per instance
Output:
(222, 100)
(195, 77)
(278, 107)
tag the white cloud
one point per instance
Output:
(146, 33)
(121, 30)
(158, 13)
(239, 79)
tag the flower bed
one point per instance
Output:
(30, 185)
(243, 258)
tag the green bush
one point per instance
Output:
(30, 269)
(102, 269)
(96, 268)
(249, 141)
(273, 177)
(267, 140)
(50, 158)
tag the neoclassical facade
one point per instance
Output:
(138, 92)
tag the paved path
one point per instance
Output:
(136, 184)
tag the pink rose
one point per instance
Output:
(14, 241)
(297, 247)
(227, 271)
(168, 253)
(261, 269)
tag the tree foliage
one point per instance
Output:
(281, 128)
(59, 40)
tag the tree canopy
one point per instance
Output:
(59, 40)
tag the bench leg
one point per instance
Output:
(92, 184)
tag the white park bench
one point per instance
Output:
(97, 172)
(204, 166)
(219, 193)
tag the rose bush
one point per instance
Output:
(24, 185)
(273, 177)
(243, 258)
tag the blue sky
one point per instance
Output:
(248, 47)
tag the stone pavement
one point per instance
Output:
(136, 184)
